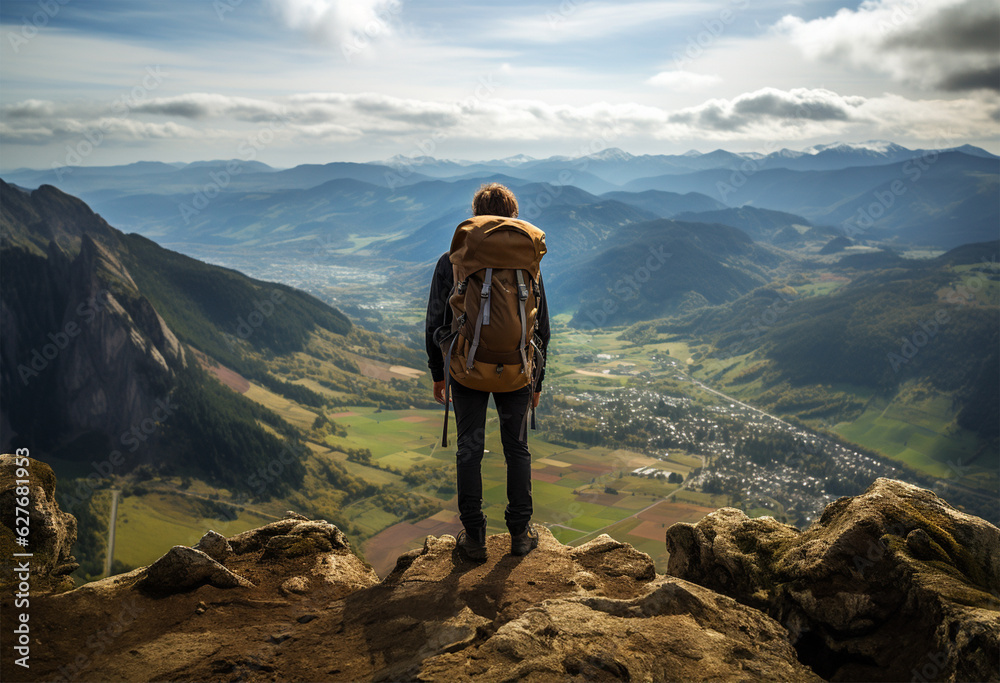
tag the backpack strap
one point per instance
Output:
(536, 371)
(484, 312)
(522, 296)
(531, 395)
(447, 391)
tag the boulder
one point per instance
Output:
(215, 546)
(675, 631)
(321, 532)
(889, 585)
(51, 532)
(183, 568)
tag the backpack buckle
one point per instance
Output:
(522, 292)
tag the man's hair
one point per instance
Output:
(494, 199)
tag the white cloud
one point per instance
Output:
(953, 45)
(347, 24)
(378, 119)
(684, 80)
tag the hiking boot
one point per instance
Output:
(524, 542)
(472, 546)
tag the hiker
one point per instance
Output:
(512, 315)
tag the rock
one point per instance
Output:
(254, 539)
(614, 558)
(296, 585)
(295, 515)
(65, 569)
(595, 612)
(286, 546)
(51, 532)
(343, 570)
(675, 631)
(215, 546)
(258, 538)
(882, 584)
(183, 568)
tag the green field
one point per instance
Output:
(149, 525)
(569, 484)
(920, 434)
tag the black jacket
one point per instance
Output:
(439, 313)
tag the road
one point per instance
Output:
(741, 403)
(109, 556)
(594, 534)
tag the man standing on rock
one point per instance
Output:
(491, 329)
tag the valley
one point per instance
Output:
(704, 354)
(618, 423)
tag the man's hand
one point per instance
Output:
(439, 392)
(534, 400)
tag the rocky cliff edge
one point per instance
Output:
(291, 601)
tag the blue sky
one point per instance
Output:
(310, 81)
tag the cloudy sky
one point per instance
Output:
(97, 82)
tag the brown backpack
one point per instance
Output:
(491, 345)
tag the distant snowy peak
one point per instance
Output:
(825, 156)
(515, 160)
(403, 160)
(610, 154)
(872, 147)
(786, 153)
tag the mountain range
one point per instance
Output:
(874, 191)
(110, 345)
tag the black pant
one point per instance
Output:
(470, 413)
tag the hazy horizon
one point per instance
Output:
(811, 149)
(290, 82)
